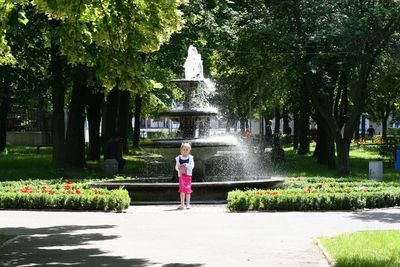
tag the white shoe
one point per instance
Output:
(188, 207)
(181, 207)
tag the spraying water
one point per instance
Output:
(193, 64)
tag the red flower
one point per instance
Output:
(67, 186)
(66, 181)
(44, 187)
(257, 193)
(51, 192)
(77, 191)
(27, 190)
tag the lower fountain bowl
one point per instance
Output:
(158, 190)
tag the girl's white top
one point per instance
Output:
(189, 166)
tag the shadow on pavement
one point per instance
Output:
(62, 246)
(381, 216)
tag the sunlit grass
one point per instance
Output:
(306, 165)
(4, 238)
(364, 249)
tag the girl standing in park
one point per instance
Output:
(184, 166)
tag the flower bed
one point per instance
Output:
(39, 194)
(300, 194)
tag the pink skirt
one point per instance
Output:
(185, 184)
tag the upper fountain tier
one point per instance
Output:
(195, 105)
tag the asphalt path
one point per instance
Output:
(206, 235)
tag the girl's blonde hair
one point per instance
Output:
(186, 144)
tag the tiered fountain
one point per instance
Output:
(193, 116)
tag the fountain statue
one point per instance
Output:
(194, 116)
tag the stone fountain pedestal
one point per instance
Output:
(156, 190)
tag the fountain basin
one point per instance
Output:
(151, 190)
(202, 150)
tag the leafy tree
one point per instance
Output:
(24, 82)
(109, 36)
(384, 92)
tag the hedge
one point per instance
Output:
(329, 194)
(55, 195)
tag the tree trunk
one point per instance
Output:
(136, 130)
(296, 131)
(57, 64)
(277, 125)
(343, 158)
(75, 139)
(357, 131)
(304, 125)
(385, 116)
(286, 128)
(243, 122)
(4, 107)
(262, 138)
(325, 147)
(110, 116)
(363, 127)
(123, 117)
(94, 117)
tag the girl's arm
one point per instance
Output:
(190, 165)
(177, 164)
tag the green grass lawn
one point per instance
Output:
(364, 249)
(4, 238)
(306, 166)
(26, 163)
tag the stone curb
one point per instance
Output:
(325, 253)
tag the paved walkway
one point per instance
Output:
(206, 235)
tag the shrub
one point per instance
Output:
(55, 195)
(319, 194)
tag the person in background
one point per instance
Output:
(371, 132)
(114, 150)
(247, 135)
(184, 166)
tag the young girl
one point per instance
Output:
(184, 166)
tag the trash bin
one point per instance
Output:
(376, 170)
(397, 157)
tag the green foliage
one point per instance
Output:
(160, 134)
(4, 238)
(25, 162)
(113, 35)
(364, 249)
(317, 194)
(39, 194)
(6, 57)
(394, 131)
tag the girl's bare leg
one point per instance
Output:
(182, 199)
(188, 201)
